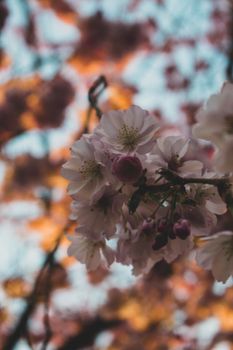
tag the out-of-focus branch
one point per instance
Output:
(21, 325)
(220, 337)
(95, 91)
(47, 326)
(87, 335)
(93, 95)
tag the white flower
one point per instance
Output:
(169, 153)
(128, 131)
(215, 119)
(224, 160)
(201, 206)
(100, 215)
(139, 253)
(176, 247)
(84, 170)
(90, 252)
(216, 255)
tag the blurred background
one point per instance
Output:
(166, 56)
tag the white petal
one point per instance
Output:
(109, 254)
(190, 167)
(216, 208)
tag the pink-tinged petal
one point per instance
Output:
(93, 259)
(145, 148)
(110, 125)
(213, 119)
(109, 255)
(180, 146)
(114, 118)
(221, 269)
(165, 146)
(190, 167)
(216, 208)
(85, 251)
(129, 130)
(176, 247)
(224, 160)
(70, 174)
(203, 259)
(73, 163)
(138, 115)
(216, 255)
(82, 148)
(75, 187)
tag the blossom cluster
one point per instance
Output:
(140, 197)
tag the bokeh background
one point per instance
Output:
(167, 56)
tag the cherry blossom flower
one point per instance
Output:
(223, 160)
(215, 119)
(84, 170)
(128, 131)
(90, 252)
(147, 194)
(216, 254)
(138, 252)
(177, 247)
(101, 214)
(169, 152)
(201, 205)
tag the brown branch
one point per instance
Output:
(95, 91)
(47, 326)
(21, 325)
(174, 181)
(87, 335)
(219, 337)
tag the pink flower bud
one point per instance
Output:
(148, 226)
(127, 169)
(162, 225)
(165, 227)
(182, 228)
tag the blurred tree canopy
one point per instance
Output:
(166, 56)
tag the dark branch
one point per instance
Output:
(21, 325)
(175, 181)
(88, 334)
(94, 92)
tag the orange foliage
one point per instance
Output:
(48, 230)
(16, 287)
(120, 96)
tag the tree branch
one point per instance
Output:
(87, 335)
(95, 91)
(21, 325)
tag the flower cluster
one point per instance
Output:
(140, 197)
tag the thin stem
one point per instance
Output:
(95, 91)
(176, 183)
(161, 203)
(21, 325)
(175, 179)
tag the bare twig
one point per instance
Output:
(47, 326)
(21, 325)
(94, 92)
(87, 335)
(175, 181)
